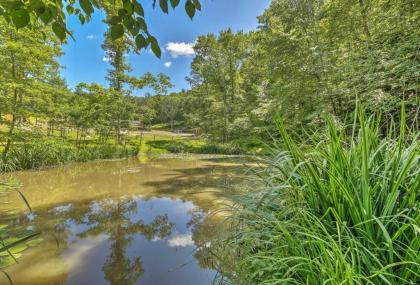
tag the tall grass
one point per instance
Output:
(43, 153)
(12, 241)
(344, 211)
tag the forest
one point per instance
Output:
(323, 93)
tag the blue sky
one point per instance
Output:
(84, 59)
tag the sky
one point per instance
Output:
(85, 61)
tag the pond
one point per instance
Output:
(124, 222)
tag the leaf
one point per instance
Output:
(21, 194)
(190, 9)
(86, 6)
(117, 31)
(134, 30)
(7, 275)
(128, 23)
(155, 46)
(13, 244)
(174, 3)
(128, 6)
(59, 31)
(141, 42)
(142, 23)
(138, 8)
(19, 248)
(20, 18)
(122, 12)
(197, 5)
(164, 5)
(70, 9)
(7, 261)
(114, 20)
(46, 16)
(38, 7)
(35, 241)
(82, 19)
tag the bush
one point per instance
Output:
(345, 211)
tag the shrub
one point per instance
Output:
(229, 149)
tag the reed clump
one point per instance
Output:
(344, 210)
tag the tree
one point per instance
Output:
(119, 77)
(29, 68)
(216, 69)
(170, 108)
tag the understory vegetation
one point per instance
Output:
(343, 209)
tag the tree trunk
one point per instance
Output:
(15, 106)
(9, 137)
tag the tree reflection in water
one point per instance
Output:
(114, 219)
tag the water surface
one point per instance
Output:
(123, 222)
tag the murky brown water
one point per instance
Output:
(123, 222)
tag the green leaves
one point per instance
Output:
(190, 9)
(197, 5)
(70, 9)
(141, 42)
(128, 6)
(135, 29)
(116, 31)
(59, 30)
(20, 18)
(86, 6)
(128, 20)
(164, 5)
(46, 16)
(138, 8)
(155, 46)
(174, 3)
(114, 20)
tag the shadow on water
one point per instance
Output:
(123, 222)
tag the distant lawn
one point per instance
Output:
(157, 141)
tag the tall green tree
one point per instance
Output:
(29, 69)
(216, 69)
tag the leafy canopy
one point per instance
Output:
(129, 20)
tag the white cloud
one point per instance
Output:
(180, 240)
(168, 64)
(91, 37)
(180, 49)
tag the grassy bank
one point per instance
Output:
(41, 154)
(166, 142)
(34, 148)
(343, 211)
